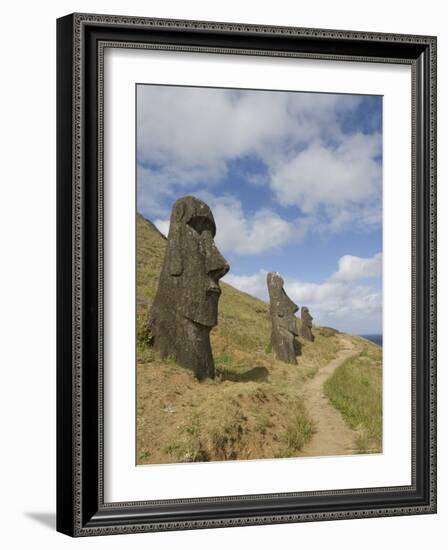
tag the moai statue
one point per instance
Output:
(284, 326)
(306, 325)
(185, 307)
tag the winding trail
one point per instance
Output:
(332, 435)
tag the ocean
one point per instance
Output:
(375, 338)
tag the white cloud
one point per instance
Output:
(163, 226)
(340, 181)
(202, 128)
(188, 136)
(250, 234)
(252, 284)
(343, 301)
(352, 268)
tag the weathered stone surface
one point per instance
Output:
(283, 319)
(185, 307)
(306, 325)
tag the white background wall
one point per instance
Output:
(27, 305)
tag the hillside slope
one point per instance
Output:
(253, 409)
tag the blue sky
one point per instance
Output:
(294, 180)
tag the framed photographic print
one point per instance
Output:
(246, 274)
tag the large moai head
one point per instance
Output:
(283, 319)
(306, 324)
(186, 304)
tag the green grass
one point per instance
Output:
(150, 251)
(244, 320)
(253, 408)
(298, 431)
(356, 390)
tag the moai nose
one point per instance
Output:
(215, 263)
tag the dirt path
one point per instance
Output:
(332, 436)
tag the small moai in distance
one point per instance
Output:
(306, 324)
(185, 307)
(283, 319)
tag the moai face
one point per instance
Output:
(185, 307)
(306, 317)
(194, 261)
(306, 325)
(282, 307)
(283, 319)
(286, 313)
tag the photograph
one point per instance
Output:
(227, 219)
(259, 270)
(246, 273)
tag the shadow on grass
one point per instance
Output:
(257, 374)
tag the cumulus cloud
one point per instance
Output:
(202, 128)
(352, 268)
(187, 139)
(338, 180)
(252, 234)
(343, 301)
(252, 284)
(163, 226)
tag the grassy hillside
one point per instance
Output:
(356, 390)
(253, 409)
